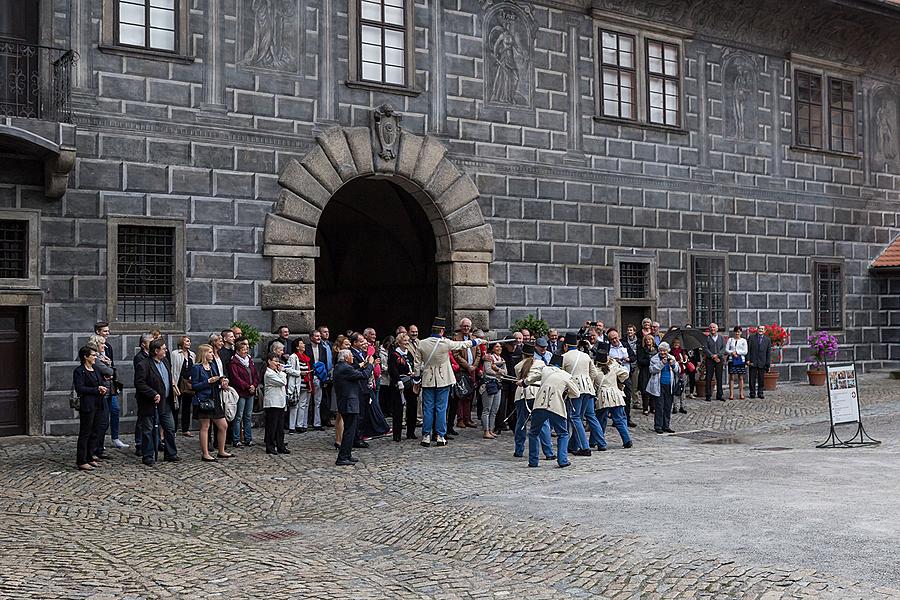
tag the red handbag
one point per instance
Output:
(691, 367)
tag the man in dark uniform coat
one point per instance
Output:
(351, 387)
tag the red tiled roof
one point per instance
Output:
(889, 257)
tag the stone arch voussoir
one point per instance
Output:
(418, 164)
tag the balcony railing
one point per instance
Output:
(35, 81)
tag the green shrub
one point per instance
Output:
(537, 327)
(250, 332)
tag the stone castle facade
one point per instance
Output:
(689, 160)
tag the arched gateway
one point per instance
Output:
(395, 182)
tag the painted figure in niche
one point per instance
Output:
(740, 101)
(885, 130)
(740, 97)
(270, 48)
(508, 54)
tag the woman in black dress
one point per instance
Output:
(206, 383)
(401, 367)
(645, 352)
(87, 384)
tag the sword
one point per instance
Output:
(503, 341)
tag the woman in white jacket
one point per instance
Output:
(274, 402)
(736, 350)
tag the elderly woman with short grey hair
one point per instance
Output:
(664, 370)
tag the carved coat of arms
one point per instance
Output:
(386, 122)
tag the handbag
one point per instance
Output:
(206, 405)
(74, 400)
(678, 388)
(491, 386)
(186, 387)
(463, 387)
(691, 367)
(737, 361)
(230, 402)
(294, 398)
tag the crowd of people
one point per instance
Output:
(572, 384)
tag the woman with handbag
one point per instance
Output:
(274, 402)
(646, 351)
(206, 383)
(183, 367)
(401, 367)
(681, 357)
(300, 387)
(736, 350)
(87, 385)
(494, 369)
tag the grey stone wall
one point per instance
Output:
(563, 191)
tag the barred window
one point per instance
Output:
(634, 280)
(146, 24)
(842, 119)
(13, 249)
(809, 109)
(618, 74)
(383, 41)
(708, 290)
(145, 284)
(663, 83)
(829, 296)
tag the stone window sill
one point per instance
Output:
(797, 148)
(640, 125)
(145, 53)
(381, 87)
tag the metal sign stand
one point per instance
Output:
(860, 438)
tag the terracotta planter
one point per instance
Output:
(770, 381)
(701, 388)
(816, 376)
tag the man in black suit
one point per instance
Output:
(759, 359)
(715, 361)
(142, 355)
(351, 387)
(554, 344)
(153, 384)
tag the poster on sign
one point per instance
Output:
(843, 394)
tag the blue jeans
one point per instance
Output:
(579, 440)
(244, 415)
(617, 413)
(519, 437)
(539, 420)
(114, 412)
(434, 410)
(598, 429)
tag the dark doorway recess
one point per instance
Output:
(633, 315)
(376, 266)
(13, 389)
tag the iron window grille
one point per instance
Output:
(382, 47)
(708, 290)
(35, 81)
(663, 83)
(148, 24)
(809, 109)
(13, 249)
(829, 296)
(618, 74)
(634, 280)
(145, 284)
(841, 115)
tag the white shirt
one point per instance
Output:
(620, 353)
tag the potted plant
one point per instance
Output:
(779, 336)
(700, 377)
(536, 327)
(823, 347)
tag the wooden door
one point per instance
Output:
(13, 381)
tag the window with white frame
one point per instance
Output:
(824, 111)
(147, 24)
(383, 41)
(640, 77)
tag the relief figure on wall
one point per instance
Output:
(271, 48)
(885, 133)
(740, 97)
(508, 41)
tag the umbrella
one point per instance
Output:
(691, 338)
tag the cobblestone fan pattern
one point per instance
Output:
(405, 523)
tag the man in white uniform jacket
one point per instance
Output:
(550, 404)
(528, 374)
(437, 377)
(581, 367)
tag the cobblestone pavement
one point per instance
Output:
(469, 520)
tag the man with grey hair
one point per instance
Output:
(143, 354)
(351, 384)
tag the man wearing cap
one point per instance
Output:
(610, 379)
(528, 373)
(437, 377)
(579, 365)
(540, 350)
(550, 406)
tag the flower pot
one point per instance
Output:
(770, 381)
(816, 376)
(701, 387)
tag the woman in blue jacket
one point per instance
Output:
(87, 384)
(207, 383)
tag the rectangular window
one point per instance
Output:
(146, 24)
(809, 109)
(708, 290)
(382, 50)
(663, 83)
(829, 296)
(13, 249)
(145, 282)
(841, 111)
(618, 75)
(634, 280)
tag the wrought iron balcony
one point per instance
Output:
(35, 81)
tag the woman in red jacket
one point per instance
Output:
(244, 379)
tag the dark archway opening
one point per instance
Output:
(376, 266)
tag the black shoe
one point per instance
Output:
(319, 428)
(137, 452)
(149, 462)
(628, 444)
(337, 446)
(518, 455)
(353, 459)
(632, 424)
(682, 410)
(173, 459)
(452, 432)
(761, 397)
(667, 430)
(752, 396)
(411, 436)
(300, 430)
(658, 430)
(283, 451)
(271, 451)
(344, 463)
(564, 465)
(551, 457)
(248, 444)
(584, 452)
(721, 399)
(600, 448)
(708, 399)
(361, 444)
